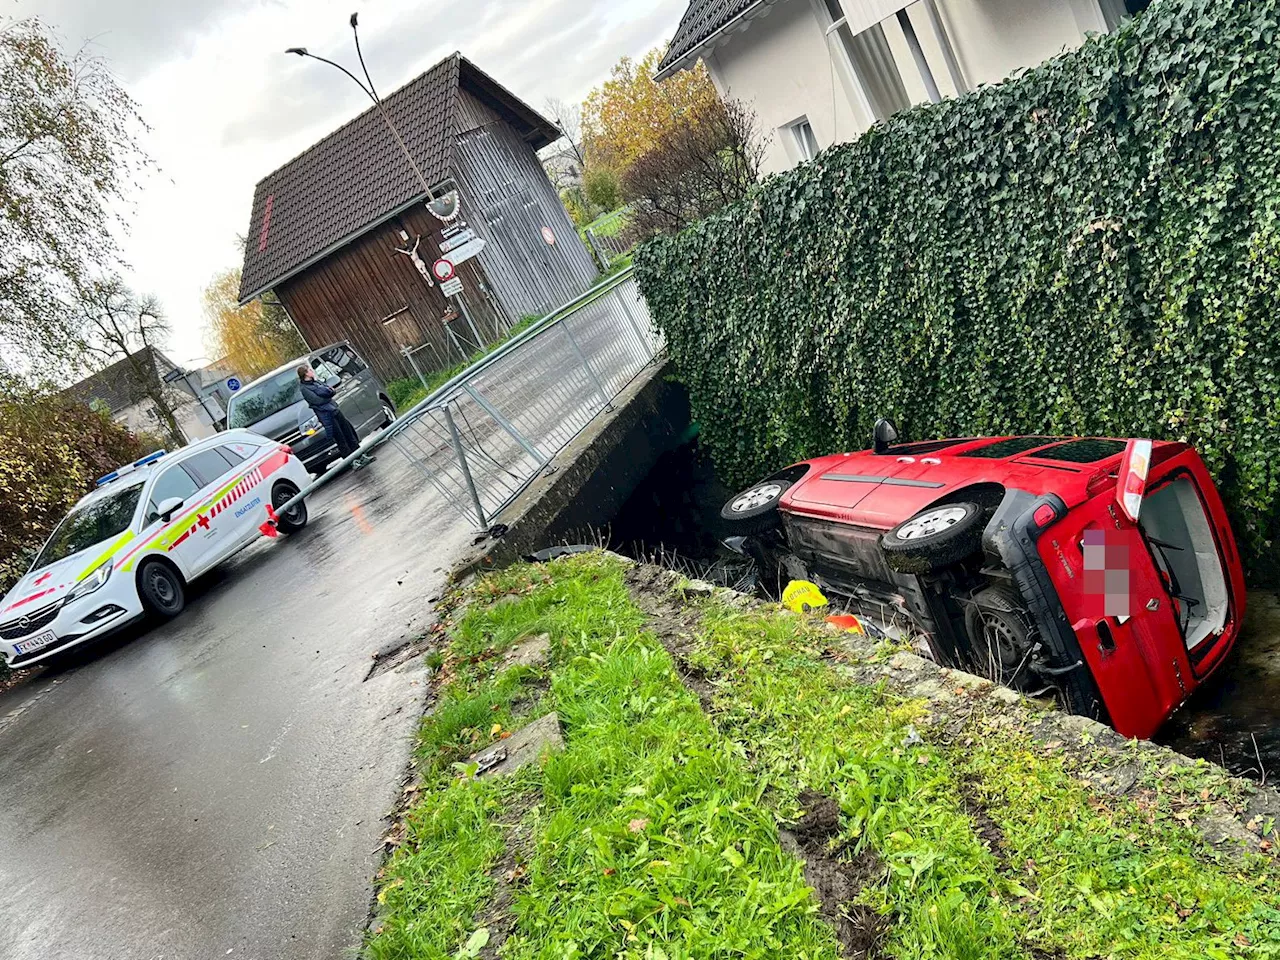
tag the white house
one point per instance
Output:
(820, 72)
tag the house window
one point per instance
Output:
(1116, 12)
(806, 143)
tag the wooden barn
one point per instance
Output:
(342, 236)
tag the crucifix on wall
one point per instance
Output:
(412, 254)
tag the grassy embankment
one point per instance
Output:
(656, 833)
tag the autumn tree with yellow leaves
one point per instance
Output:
(255, 338)
(631, 112)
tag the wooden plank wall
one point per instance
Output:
(347, 296)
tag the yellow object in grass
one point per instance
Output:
(802, 596)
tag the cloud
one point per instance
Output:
(134, 35)
(536, 48)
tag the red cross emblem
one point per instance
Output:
(42, 579)
(203, 521)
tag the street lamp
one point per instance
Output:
(372, 94)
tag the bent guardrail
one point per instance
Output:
(482, 437)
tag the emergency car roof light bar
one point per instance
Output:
(128, 468)
(1133, 478)
(150, 458)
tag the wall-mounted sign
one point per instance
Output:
(445, 207)
(548, 235)
(455, 240)
(443, 269)
(466, 251)
(451, 287)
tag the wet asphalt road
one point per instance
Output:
(215, 786)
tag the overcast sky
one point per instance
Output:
(226, 106)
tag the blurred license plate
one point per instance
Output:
(37, 642)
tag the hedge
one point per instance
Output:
(1092, 248)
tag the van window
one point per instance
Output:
(207, 466)
(256, 403)
(174, 482)
(345, 360)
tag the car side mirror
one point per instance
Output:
(334, 382)
(886, 434)
(169, 507)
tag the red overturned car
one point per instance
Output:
(1103, 570)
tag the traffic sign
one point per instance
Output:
(233, 384)
(451, 287)
(443, 269)
(549, 236)
(455, 240)
(466, 251)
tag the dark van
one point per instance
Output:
(273, 406)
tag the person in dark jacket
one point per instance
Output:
(319, 397)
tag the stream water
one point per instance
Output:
(673, 519)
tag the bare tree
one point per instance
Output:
(696, 168)
(117, 324)
(564, 160)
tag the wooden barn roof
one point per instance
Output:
(357, 176)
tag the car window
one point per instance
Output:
(244, 449)
(256, 403)
(90, 524)
(345, 360)
(1008, 448)
(174, 482)
(1082, 451)
(207, 466)
(233, 458)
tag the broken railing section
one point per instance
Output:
(483, 436)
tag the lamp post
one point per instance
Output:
(372, 94)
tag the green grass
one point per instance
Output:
(654, 834)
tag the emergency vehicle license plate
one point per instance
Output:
(37, 642)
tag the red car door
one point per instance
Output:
(1116, 601)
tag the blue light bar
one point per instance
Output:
(121, 471)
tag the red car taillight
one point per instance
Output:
(286, 448)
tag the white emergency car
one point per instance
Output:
(131, 546)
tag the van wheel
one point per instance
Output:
(999, 635)
(934, 538)
(161, 589)
(755, 510)
(388, 412)
(296, 517)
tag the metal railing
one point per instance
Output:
(483, 436)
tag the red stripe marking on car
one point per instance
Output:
(277, 456)
(34, 596)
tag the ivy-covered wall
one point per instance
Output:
(1093, 248)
